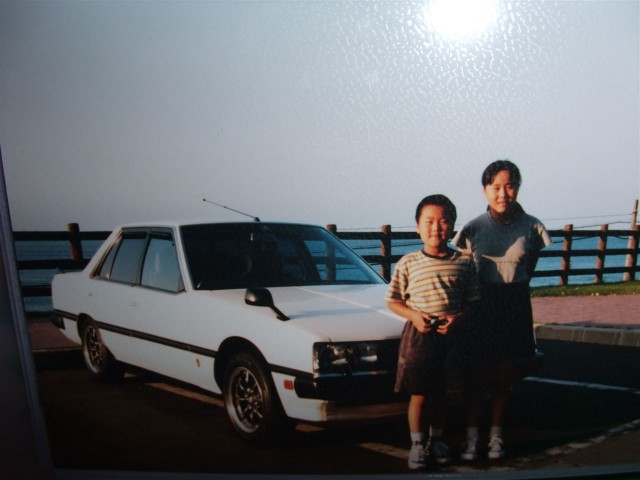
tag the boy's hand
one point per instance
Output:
(449, 320)
(421, 323)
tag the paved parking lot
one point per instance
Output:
(581, 411)
(564, 417)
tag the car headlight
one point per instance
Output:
(353, 358)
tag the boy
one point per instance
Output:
(432, 288)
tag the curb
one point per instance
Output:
(601, 335)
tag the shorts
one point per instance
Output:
(422, 362)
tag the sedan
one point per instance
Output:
(283, 320)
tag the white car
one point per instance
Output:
(284, 320)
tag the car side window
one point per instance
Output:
(160, 269)
(127, 260)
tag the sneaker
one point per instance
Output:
(470, 450)
(439, 451)
(496, 448)
(418, 456)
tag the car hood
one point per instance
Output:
(340, 312)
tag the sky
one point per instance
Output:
(335, 112)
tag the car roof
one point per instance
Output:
(182, 223)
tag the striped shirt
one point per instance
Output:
(433, 285)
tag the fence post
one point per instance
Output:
(602, 246)
(385, 252)
(75, 244)
(632, 258)
(566, 254)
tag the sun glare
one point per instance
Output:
(461, 20)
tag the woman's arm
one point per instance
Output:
(533, 261)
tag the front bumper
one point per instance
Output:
(340, 398)
(350, 390)
(355, 397)
(331, 412)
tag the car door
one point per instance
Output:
(111, 290)
(160, 320)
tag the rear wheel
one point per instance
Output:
(97, 358)
(251, 400)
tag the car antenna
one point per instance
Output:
(233, 210)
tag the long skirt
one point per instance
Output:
(501, 328)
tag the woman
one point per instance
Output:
(504, 242)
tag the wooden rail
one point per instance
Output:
(385, 259)
(76, 260)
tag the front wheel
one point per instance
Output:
(251, 400)
(97, 358)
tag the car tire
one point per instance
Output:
(100, 363)
(251, 401)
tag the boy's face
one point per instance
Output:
(434, 229)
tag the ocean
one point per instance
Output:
(42, 250)
(401, 247)
(45, 250)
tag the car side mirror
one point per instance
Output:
(261, 297)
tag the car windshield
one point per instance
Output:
(228, 256)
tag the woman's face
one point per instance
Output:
(501, 193)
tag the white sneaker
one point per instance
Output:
(418, 456)
(439, 451)
(496, 448)
(470, 450)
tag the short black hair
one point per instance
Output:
(494, 168)
(440, 201)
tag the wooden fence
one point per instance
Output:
(385, 259)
